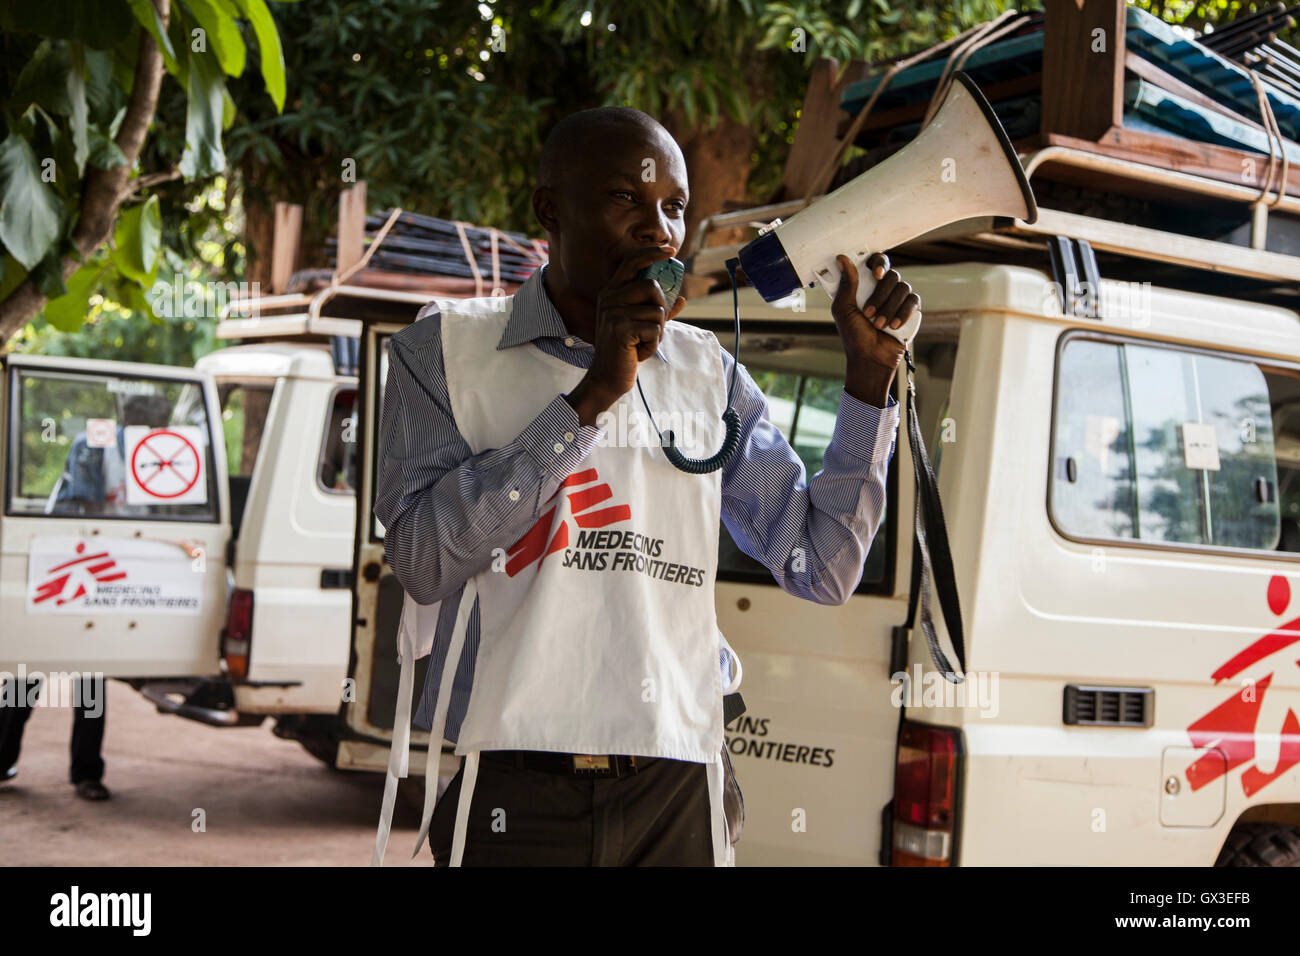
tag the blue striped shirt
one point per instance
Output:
(445, 509)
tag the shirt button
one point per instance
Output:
(558, 448)
(514, 496)
(569, 341)
(568, 436)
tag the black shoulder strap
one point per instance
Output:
(930, 555)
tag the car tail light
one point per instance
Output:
(237, 639)
(925, 795)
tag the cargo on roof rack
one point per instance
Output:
(386, 267)
(1152, 145)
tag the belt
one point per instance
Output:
(576, 765)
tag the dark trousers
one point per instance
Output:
(87, 731)
(658, 816)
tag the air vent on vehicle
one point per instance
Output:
(1109, 706)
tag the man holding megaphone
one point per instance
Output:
(577, 662)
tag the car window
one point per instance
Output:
(1168, 445)
(803, 407)
(337, 469)
(244, 408)
(109, 446)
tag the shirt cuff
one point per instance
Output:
(866, 431)
(557, 440)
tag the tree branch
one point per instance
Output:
(103, 190)
(149, 180)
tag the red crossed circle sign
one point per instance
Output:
(165, 464)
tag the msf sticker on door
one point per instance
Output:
(67, 575)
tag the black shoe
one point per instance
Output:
(8, 775)
(92, 790)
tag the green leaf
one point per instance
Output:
(104, 153)
(77, 97)
(228, 109)
(148, 18)
(48, 275)
(269, 50)
(203, 154)
(14, 274)
(137, 239)
(134, 298)
(222, 34)
(67, 312)
(103, 95)
(29, 208)
(43, 80)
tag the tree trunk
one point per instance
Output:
(718, 163)
(259, 226)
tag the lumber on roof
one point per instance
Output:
(821, 125)
(352, 226)
(284, 244)
(1083, 67)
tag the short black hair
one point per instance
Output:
(577, 133)
(150, 410)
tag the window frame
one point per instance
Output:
(377, 385)
(1112, 338)
(325, 437)
(242, 383)
(885, 586)
(14, 422)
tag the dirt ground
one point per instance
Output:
(267, 801)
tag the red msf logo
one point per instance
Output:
(1231, 727)
(533, 546)
(98, 567)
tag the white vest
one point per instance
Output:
(598, 628)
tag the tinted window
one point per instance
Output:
(338, 459)
(1168, 445)
(243, 419)
(112, 447)
(803, 408)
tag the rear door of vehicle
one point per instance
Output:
(115, 519)
(814, 752)
(378, 595)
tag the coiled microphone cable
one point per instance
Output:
(704, 466)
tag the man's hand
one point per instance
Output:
(873, 355)
(630, 319)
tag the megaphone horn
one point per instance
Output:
(962, 165)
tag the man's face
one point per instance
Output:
(629, 194)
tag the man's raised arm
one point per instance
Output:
(812, 535)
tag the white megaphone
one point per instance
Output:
(962, 165)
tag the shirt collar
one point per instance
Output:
(535, 316)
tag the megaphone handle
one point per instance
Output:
(830, 281)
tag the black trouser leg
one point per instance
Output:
(13, 717)
(88, 731)
(658, 816)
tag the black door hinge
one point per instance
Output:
(1078, 280)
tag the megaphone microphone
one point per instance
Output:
(962, 165)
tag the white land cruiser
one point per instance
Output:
(1121, 497)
